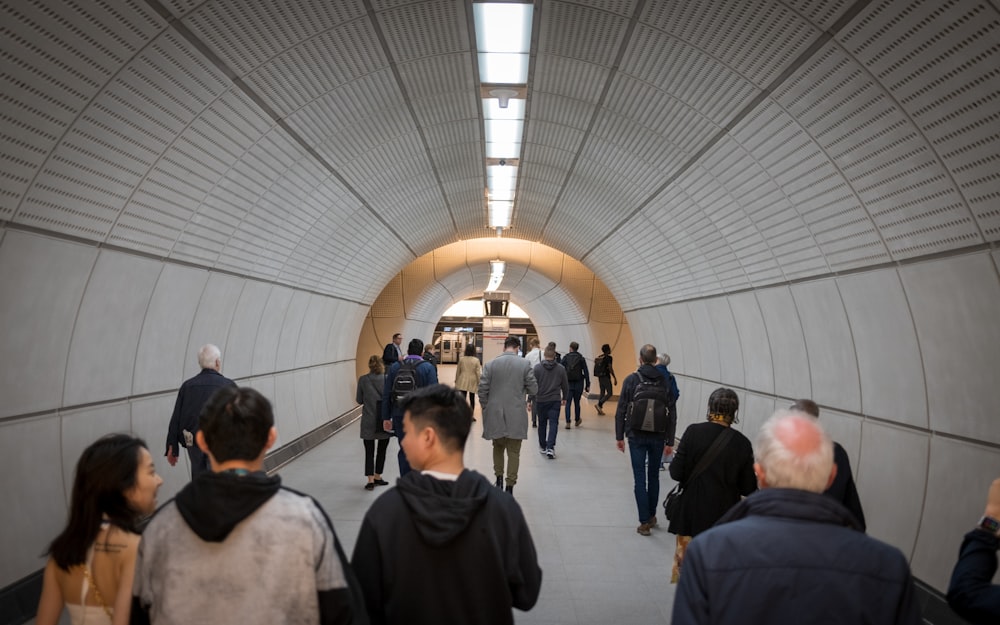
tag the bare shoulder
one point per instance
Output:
(118, 543)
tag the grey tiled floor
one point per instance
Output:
(595, 568)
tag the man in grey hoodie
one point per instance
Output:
(553, 389)
(235, 546)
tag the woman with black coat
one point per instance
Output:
(721, 484)
(369, 394)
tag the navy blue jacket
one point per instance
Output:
(426, 375)
(970, 593)
(191, 398)
(790, 556)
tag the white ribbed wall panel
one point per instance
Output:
(957, 471)
(41, 510)
(784, 334)
(954, 305)
(161, 353)
(42, 309)
(892, 377)
(754, 349)
(129, 283)
(833, 362)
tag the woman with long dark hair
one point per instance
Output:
(369, 394)
(92, 562)
(728, 477)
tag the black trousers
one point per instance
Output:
(471, 396)
(374, 464)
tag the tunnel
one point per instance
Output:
(794, 198)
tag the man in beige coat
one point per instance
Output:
(505, 383)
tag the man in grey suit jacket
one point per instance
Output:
(506, 381)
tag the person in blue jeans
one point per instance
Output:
(645, 448)
(579, 380)
(553, 388)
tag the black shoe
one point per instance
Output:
(578, 422)
(370, 486)
(499, 483)
(534, 424)
(510, 489)
(380, 483)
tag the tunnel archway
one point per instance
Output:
(564, 299)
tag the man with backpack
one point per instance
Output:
(579, 380)
(647, 415)
(400, 380)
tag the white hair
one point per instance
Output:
(787, 467)
(207, 356)
(664, 359)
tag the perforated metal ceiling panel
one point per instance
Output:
(734, 145)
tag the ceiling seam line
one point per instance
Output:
(612, 72)
(824, 37)
(181, 29)
(393, 67)
(863, 416)
(892, 264)
(13, 226)
(55, 412)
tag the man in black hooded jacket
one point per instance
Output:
(444, 546)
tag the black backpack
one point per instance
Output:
(406, 379)
(601, 366)
(648, 410)
(573, 362)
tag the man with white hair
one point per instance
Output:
(191, 397)
(788, 553)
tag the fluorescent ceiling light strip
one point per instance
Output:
(503, 150)
(500, 213)
(502, 26)
(503, 68)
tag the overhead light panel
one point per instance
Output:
(503, 40)
(497, 269)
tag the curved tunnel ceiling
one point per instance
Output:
(735, 144)
(554, 289)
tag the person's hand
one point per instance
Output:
(621, 446)
(588, 389)
(667, 449)
(614, 381)
(387, 425)
(993, 500)
(562, 402)
(171, 458)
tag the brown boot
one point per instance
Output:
(643, 529)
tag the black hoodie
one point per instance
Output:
(439, 551)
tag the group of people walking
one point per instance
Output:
(766, 532)
(552, 383)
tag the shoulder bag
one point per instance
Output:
(673, 499)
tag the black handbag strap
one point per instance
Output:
(713, 451)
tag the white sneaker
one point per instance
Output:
(541, 450)
(551, 453)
